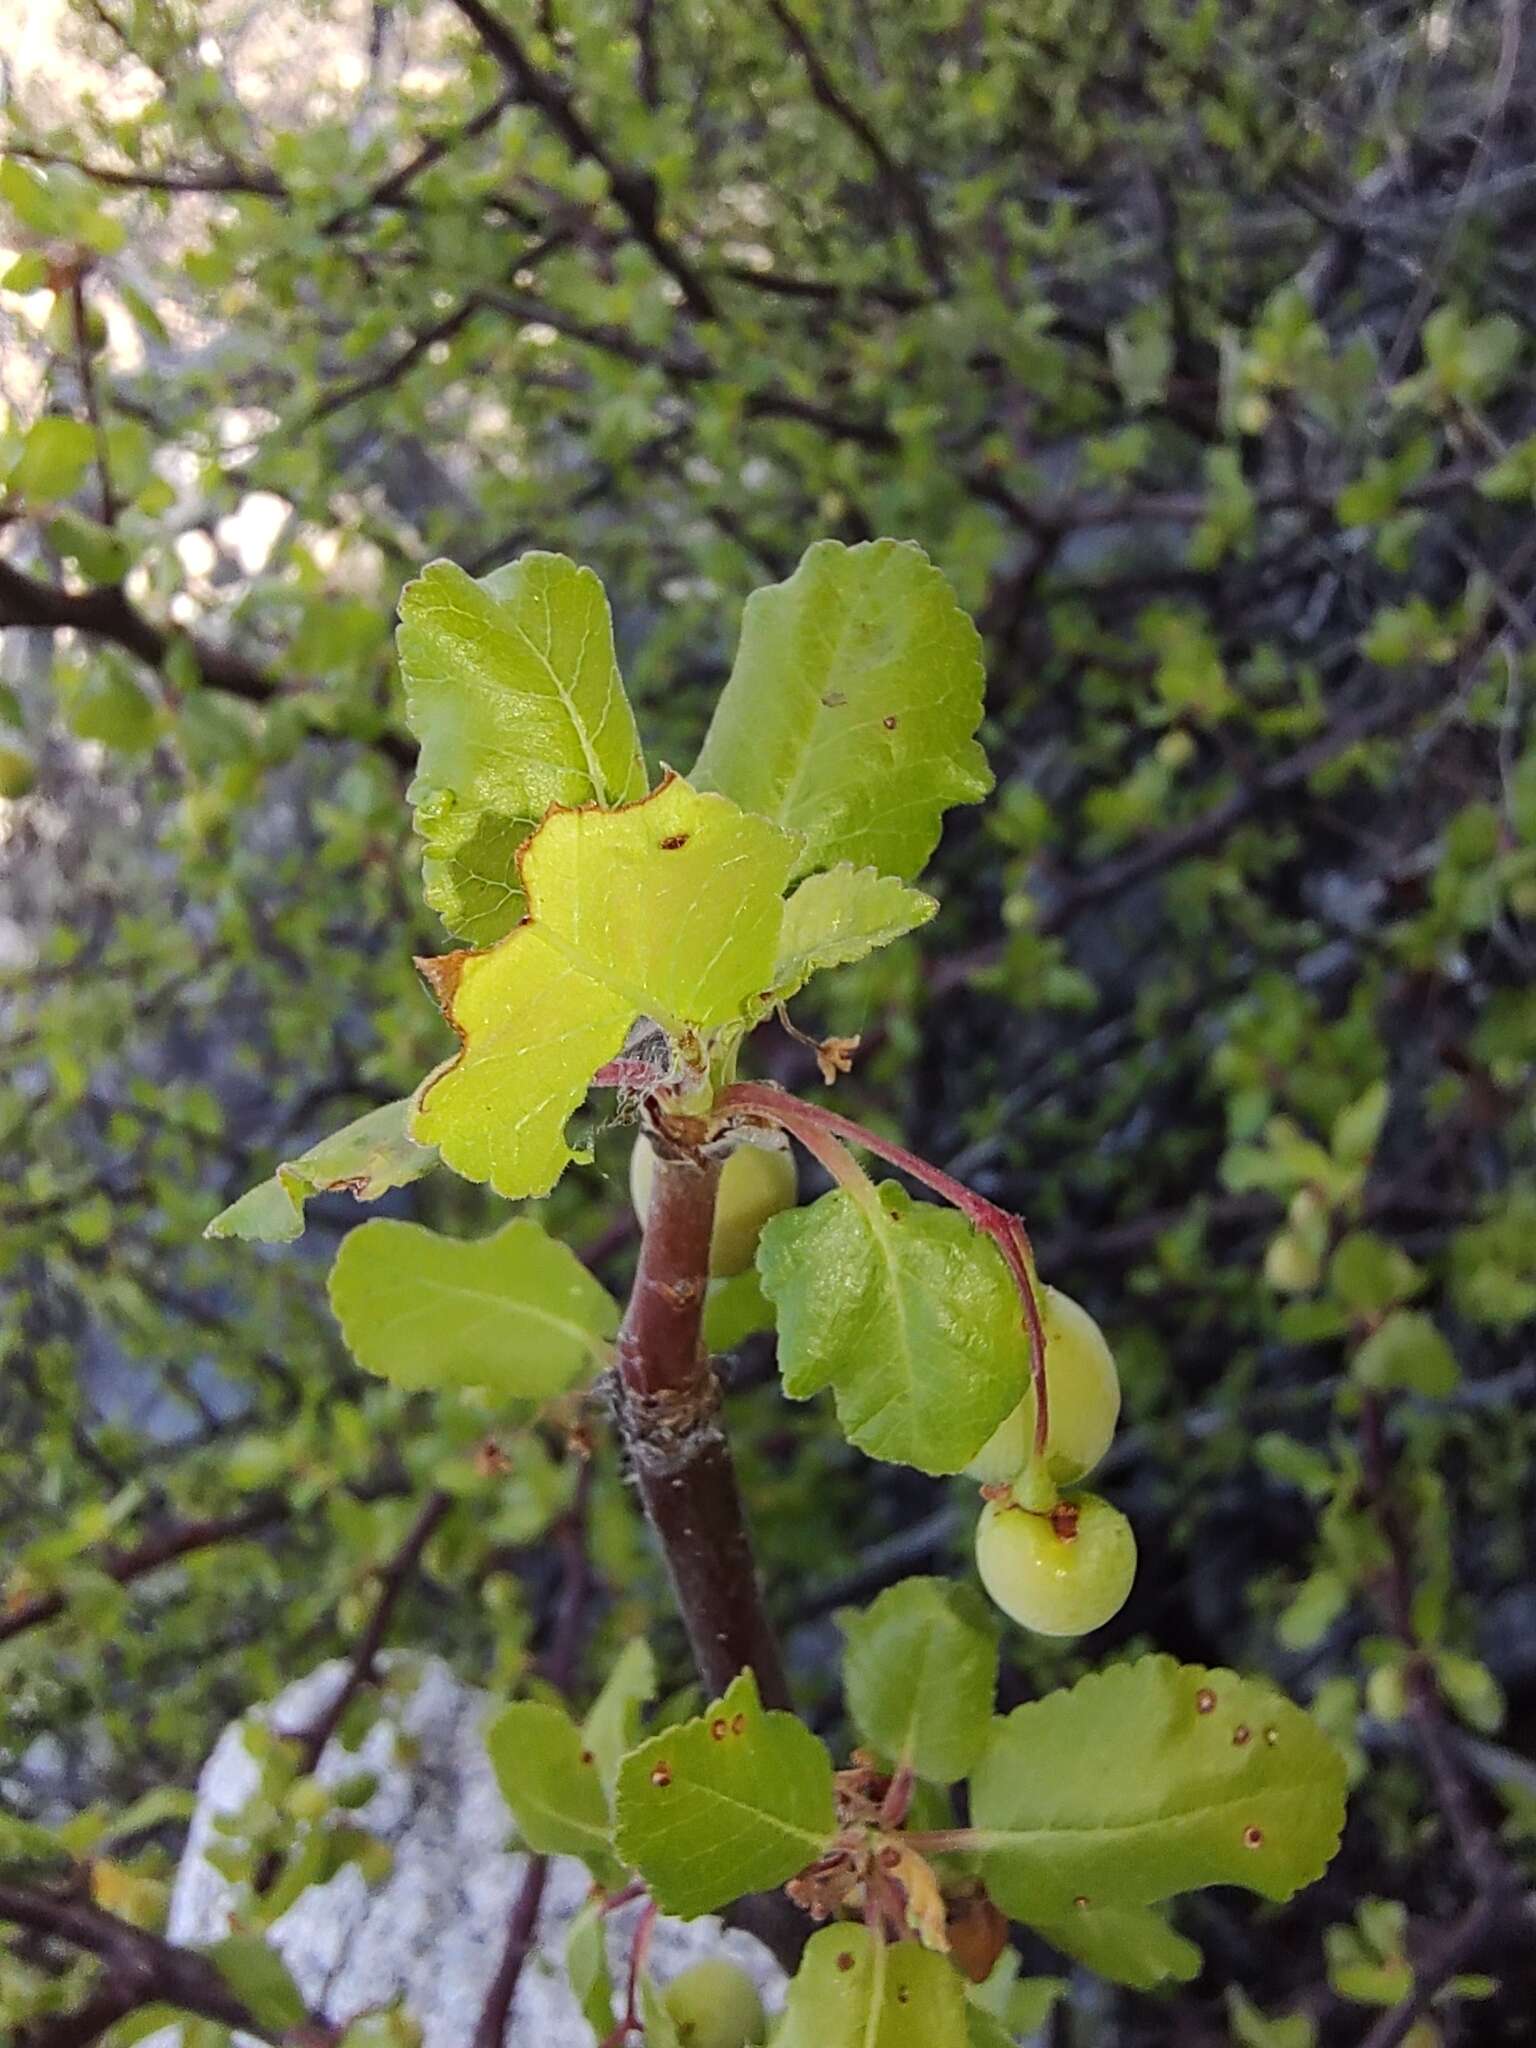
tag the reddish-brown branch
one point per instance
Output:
(152, 1555)
(560, 1666)
(667, 1402)
(393, 1579)
(140, 1968)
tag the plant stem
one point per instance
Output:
(667, 1407)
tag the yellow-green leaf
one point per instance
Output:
(669, 909)
(906, 1312)
(838, 917)
(850, 712)
(366, 1158)
(513, 689)
(1149, 1779)
(516, 1313)
(854, 1991)
(736, 1801)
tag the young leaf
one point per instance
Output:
(920, 1675)
(906, 1313)
(838, 917)
(1149, 1779)
(1407, 1351)
(1131, 1945)
(851, 708)
(516, 1313)
(612, 1726)
(669, 908)
(551, 1784)
(512, 687)
(736, 1801)
(586, 1964)
(852, 1991)
(366, 1159)
(258, 1975)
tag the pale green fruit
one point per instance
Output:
(1060, 1574)
(1082, 1391)
(756, 1182)
(715, 2005)
(17, 772)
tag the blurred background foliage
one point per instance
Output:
(1191, 339)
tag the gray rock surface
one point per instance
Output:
(433, 1931)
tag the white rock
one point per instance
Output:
(433, 1932)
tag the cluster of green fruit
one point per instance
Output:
(1060, 1563)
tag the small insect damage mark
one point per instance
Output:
(1253, 1838)
(844, 1960)
(661, 1776)
(1205, 1701)
(1081, 1902)
(718, 1730)
(675, 842)
(738, 1724)
(834, 700)
(1241, 1736)
(1271, 1736)
(890, 723)
(903, 1994)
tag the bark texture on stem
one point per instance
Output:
(667, 1401)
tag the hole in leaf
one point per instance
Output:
(1205, 1701)
(717, 1731)
(889, 723)
(1253, 1838)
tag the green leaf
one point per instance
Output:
(1149, 1779)
(612, 1726)
(920, 1674)
(853, 1991)
(906, 1312)
(851, 708)
(1251, 2029)
(516, 1313)
(53, 461)
(736, 1801)
(258, 1975)
(1131, 1945)
(840, 916)
(366, 1159)
(1407, 1351)
(669, 908)
(586, 1964)
(513, 689)
(551, 1784)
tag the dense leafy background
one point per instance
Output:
(1189, 341)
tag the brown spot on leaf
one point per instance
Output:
(844, 1960)
(889, 723)
(587, 1757)
(1253, 1838)
(675, 843)
(1205, 1701)
(662, 1775)
(738, 1724)
(717, 1730)
(1241, 1737)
